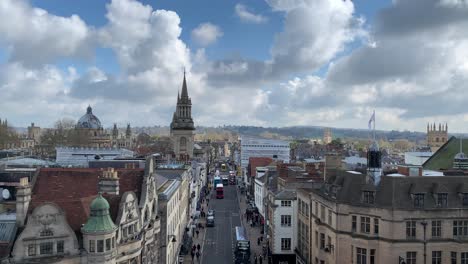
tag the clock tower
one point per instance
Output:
(182, 127)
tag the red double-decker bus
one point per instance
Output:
(219, 191)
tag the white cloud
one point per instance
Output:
(35, 37)
(206, 34)
(247, 16)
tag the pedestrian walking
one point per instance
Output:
(198, 255)
(255, 260)
(194, 248)
(198, 247)
(199, 232)
(260, 260)
(258, 241)
(192, 254)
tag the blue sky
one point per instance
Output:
(239, 38)
(264, 62)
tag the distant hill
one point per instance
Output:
(301, 132)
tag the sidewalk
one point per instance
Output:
(253, 233)
(198, 239)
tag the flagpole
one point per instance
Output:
(374, 125)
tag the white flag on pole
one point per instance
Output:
(372, 119)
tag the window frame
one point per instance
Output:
(365, 224)
(100, 246)
(376, 226)
(361, 255)
(353, 223)
(60, 245)
(436, 257)
(92, 246)
(46, 248)
(410, 229)
(411, 257)
(464, 257)
(32, 250)
(368, 197)
(460, 228)
(442, 200)
(322, 241)
(286, 220)
(436, 228)
(418, 200)
(284, 243)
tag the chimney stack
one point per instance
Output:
(23, 197)
(109, 182)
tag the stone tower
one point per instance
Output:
(374, 163)
(182, 127)
(327, 136)
(436, 136)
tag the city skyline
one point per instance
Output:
(293, 63)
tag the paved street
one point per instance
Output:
(220, 240)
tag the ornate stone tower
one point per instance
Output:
(436, 137)
(182, 127)
(327, 136)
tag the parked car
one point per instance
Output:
(211, 212)
(210, 221)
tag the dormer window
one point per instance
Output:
(442, 199)
(418, 200)
(368, 197)
(46, 232)
(465, 199)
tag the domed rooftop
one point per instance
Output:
(99, 203)
(89, 120)
(99, 219)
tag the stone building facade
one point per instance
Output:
(411, 218)
(436, 137)
(174, 199)
(182, 126)
(91, 216)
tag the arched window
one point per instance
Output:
(183, 144)
(437, 139)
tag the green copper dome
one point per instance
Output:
(100, 203)
(99, 219)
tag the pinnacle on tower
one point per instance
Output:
(184, 88)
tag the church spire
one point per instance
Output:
(184, 88)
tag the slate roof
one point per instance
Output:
(395, 192)
(74, 189)
(442, 159)
(170, 174)
(7, 236)
(286, 195)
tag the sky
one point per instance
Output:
(263, 62)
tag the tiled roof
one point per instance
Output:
(255, 162)
(74, 189)
(442, 159)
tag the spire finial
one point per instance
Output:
(184, 88)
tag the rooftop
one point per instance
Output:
(442, 159)
(73, 190)
(395, 192)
